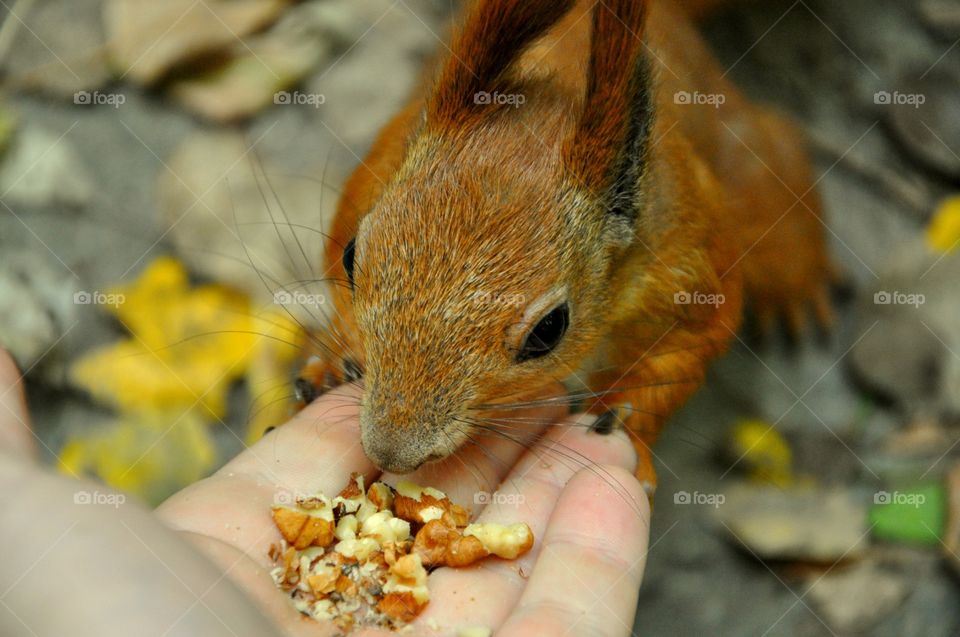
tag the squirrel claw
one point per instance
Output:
(319, 376)
(626, 417)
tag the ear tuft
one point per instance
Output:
(607, 152)
(494, 35)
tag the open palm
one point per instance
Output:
(199, 564)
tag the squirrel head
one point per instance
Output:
(486, 263)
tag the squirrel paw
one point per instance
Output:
(791, 291)
(625, 417)
(793, 308)
(318, 376)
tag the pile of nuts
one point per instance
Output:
(362, 558)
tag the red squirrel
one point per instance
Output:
(576, 199)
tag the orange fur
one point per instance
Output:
(599, 189)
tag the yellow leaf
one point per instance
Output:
(943, 233)
(150, 455)
(268, 379)
(764, 451)
(187, 347)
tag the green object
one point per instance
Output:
(915, 516)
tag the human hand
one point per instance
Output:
(199, 565)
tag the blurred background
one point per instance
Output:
(165, 170)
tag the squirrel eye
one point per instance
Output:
(348, 254)
(546, 334)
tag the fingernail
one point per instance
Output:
(604, 423)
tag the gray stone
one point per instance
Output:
(41, 168)
(854, 598)
(36, 306)
(808, 525)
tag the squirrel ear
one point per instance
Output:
(494, 35)
(607, 151)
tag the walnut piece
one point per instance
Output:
(362, 558)
(303, 527)
(438, 544)
(407, 575)
(508, 541)
(425, 504)
(400, 607)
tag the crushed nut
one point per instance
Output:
(507, 541)
(440, 545)
(381, 495)
(362, 558)
(309, 523)
(425, 504)
(400, 607)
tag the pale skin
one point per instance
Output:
(197, 565)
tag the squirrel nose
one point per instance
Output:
(395, 457)
(394, 464)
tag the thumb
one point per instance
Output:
(15, 434)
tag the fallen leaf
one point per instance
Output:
(942, 16)
(228, 225)
(855, 598)
(59, 48)
(763, 450)
(149, 454)
(809, 525)
(8, 124)
(257, 71)
(943, 232)
(188, 345)
(922, 115)
(147, 39)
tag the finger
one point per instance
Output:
(485, 594)
(15, 433)
(315, 452)
(586, 579)
(483, 463)
(127, 574)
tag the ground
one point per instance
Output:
(824, 62)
